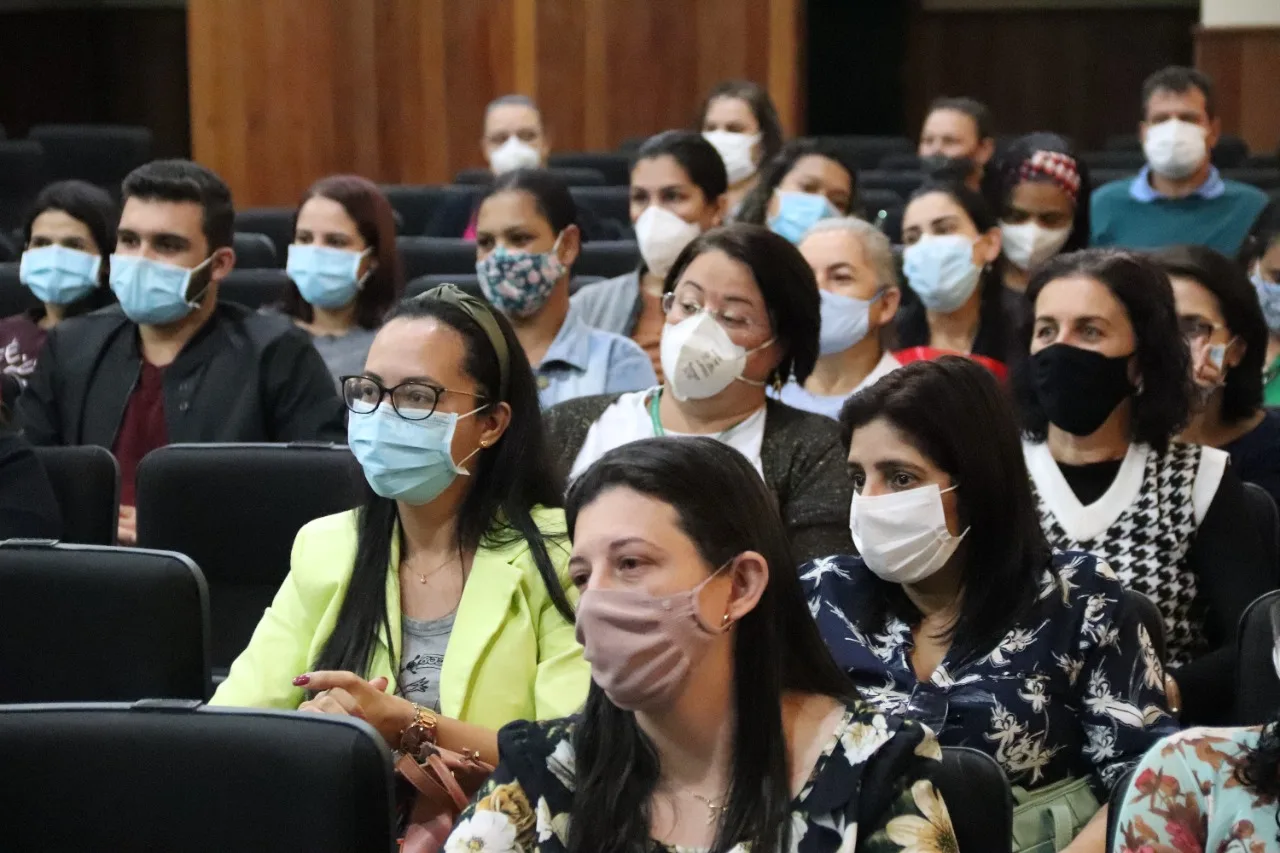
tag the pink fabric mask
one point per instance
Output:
(641, 647)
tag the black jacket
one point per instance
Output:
(28, 505)
(243, 377)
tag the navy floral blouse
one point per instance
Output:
(875, 771)
(1073, 689)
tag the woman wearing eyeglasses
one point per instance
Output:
(741, 316)
(444, 599)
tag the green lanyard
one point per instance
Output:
(659, 432)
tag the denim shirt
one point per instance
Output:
(583, 361)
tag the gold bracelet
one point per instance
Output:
(420, 732)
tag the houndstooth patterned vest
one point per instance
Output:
(1147, 546)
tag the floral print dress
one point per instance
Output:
(1185, 797)
(525, 807)
(1074, 689)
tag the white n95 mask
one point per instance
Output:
(903, 536)
(1175, 148)
(699, 359)
(662, 236)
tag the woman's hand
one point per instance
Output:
(348, 693)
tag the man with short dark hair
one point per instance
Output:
(1178, 197)
(957, 140)
(170, 363)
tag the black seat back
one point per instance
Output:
(1257, 685)
(86, 482)
(978, 798)
(101, 154)
(254, 288)
(275, 222)
(14, 298)
(615, 167)
(168, 776)
(235, 509)
(22, 174)
(436, 255)
(88, 623)
(1262, 507)
(607, 258)
(255, 251)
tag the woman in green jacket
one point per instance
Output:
(445, 597)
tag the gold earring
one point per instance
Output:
(724, 623)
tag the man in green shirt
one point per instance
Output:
(1179, 197)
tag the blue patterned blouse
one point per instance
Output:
(1074, 689)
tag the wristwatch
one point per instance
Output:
(419, 733)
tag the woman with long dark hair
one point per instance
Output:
(716, 719)
(448, 585)
(955, 301)
(1101, 398)
(345, 270)
(958, 614)
(67, 240)
(807, 181)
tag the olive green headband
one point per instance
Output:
(479, 311)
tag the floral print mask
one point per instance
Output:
(519, 283)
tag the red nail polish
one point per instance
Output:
(301, 680)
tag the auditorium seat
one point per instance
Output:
(235, 509)
(417, 205)
(901, 161)
(430, 255)
(86, 482)
(1146, 612)
(607, 258)
(1106, 176)
(609, 204)
(255, 251)
(615, 167)
(866, 152)
(875, 202)
(902, 183)
(1130, 161)
(572, 177)
(1257, 685)
(101, 154)
(1263, 179)
(22, 174)
(1230, 152)
(275, 222)
(175, 776)
(978, 796)
(254, 288)
(88, 623)
(14, 298)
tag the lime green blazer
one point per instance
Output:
(511, 655)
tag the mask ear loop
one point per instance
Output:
(484, 445)
(364, 279)
(194, 301)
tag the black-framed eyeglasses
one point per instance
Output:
(412, 400)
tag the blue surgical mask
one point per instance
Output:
(326, 277)
(153, 293)
(58, 275)
(1269, 299)
(519, 283)
(410, 461)
(845, 321)
(940, 269)
(798, 212)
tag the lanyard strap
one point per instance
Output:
(659, 432)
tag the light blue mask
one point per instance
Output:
(410, 461)
(326, 277)
(1269, 299)
(845, 321)
(58, 275)
(153, 293)
(798, 212)
(940, 269)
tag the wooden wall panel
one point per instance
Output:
(285, 91)
(1245, 65)
(1079, 72)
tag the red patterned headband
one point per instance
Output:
(1059, 168)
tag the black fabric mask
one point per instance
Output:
(940, 167)
(1079, 388)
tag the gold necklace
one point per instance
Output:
(714, 807)
(423, 576)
